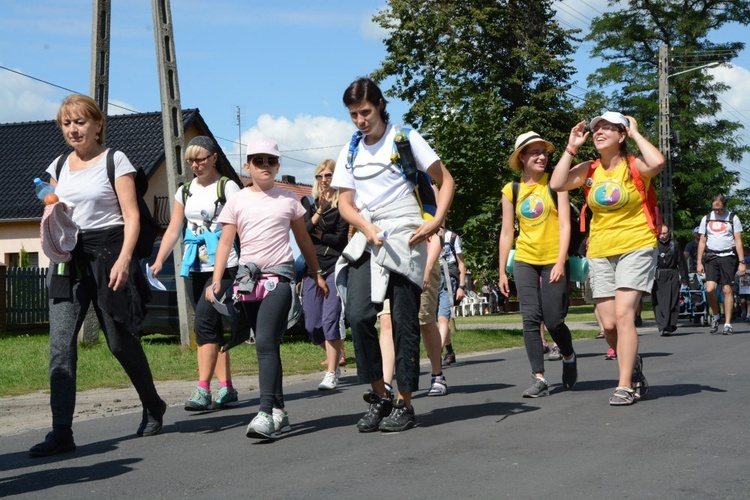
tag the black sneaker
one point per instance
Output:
(570, 372)
(379, 409)
(55, 442)
(449, 358)
(400, 419)
(152, 420)
(638, 321)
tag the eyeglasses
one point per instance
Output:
(270, 161)
(198, 160)
(319, 177)
(608, 127)
(537, 152)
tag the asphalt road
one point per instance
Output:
(688, 439)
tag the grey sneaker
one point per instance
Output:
(639, 383)
(538, 389)
(714, 326)
(261, 427)
(439, 386)
(225, 396)
(400, 419)
(728, 330)
(200, 401)
(280, 421)
(379, 409)
(554, 354)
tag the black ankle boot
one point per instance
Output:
(152, 420)
(57, 441)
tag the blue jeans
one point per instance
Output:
(542, 301)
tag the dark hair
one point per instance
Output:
(623, 144)
(364, 89)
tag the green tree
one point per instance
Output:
(628, 41)
(477, 73)
(24, 259)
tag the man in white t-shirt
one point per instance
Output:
(720, 254)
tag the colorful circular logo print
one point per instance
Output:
(534, 209)
(610, 194)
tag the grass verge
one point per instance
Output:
(25, 357)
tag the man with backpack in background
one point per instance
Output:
(720, 253)
(452, 287)
(671, 271)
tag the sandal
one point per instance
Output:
(623, 396)
(600, 335)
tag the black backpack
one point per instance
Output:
(576, 236)
(149, 227)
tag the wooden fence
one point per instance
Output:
(23, 297)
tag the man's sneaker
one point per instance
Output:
(538, 389)
(666, 333)
(401, 418)
(639, 383)
(225, 396)
(438, 387)
(379, 408)
(611, 354)
(714, 326)
(55, 442)
(449, 358)
(280, 421)
(261, 427)
(554, 354)
(570, 372)
(330, 382)
(728, 330)
(200, 401)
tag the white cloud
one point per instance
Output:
(24, 100)
(371, 30)
(303, 142)
(738, 97)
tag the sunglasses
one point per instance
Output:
(258, 161)
(319, 177)
(190, 161)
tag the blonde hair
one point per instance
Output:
(88, 107)
(330, 165)
(193, 150)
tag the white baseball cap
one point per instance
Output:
(611, 117)
(262, 146)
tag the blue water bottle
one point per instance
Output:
(42, 188)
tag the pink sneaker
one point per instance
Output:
(611, 354)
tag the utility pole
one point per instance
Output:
(665, 194)
(174, 140)
(99, 88)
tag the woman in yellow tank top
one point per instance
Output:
(621, 245)
(540, 267)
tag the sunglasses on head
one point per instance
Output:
(258, 161)
(318, 177)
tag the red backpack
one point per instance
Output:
(650, 203)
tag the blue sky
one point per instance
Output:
(284, 64)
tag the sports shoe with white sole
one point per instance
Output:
(261, 427)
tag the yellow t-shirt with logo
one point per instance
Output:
(539, 230)
(618, 224)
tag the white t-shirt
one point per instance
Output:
(263, 220)
(203, 199)
(378, 181)
(447, 254)
(719, 232)
(89, 191)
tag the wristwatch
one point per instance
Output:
(462, 287)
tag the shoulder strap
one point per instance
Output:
(186, 191)
(586, 188)
(111, 168)
(60, 163)
(353, 149)
(221, 190)
(515, 186)
(648, 198)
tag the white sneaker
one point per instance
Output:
(330, 381)
(261, 427)
(728, 329)
(281, 421)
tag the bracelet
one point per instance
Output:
(571, 151)
(319, 213)
(319, 272)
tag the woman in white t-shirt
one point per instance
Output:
(200, 202)
(391, 230)
(262, 215)
(102, 272)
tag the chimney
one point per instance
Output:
(289, 179)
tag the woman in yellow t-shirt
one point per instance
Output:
(540, 267)
(621, 245)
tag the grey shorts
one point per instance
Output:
(633, 270)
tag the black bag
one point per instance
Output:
(149, 227)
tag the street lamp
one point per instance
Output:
(665, 202)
